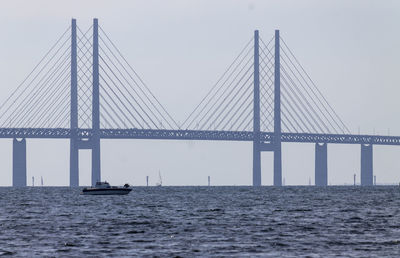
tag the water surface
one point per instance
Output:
(202, 221)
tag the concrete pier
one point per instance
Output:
(321, 164)
(74, 163)
(19, 162)
(366, 164)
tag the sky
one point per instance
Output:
(180, 48)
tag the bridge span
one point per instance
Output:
(85, 90)
(198, 135)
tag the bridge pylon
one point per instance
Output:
(256, 115)
(74, 141)
(275, 144)
(95, 107)
(93, 143)
(277, 114)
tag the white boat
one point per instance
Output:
(104, 188)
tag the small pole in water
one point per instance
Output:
(354, 179)
(374, 180)
(208, 180)
(33, 181)
(41, 180)
(147, 180)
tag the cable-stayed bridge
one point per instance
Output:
(84, 90)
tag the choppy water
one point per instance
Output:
(202, 221)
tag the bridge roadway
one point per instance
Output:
(64, 133)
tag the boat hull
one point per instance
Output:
(106, 191)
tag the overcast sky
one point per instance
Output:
(180, 48)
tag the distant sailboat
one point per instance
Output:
(159, 183)
(41, 180)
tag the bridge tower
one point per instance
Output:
(256, 115)
(76, 142)
(275, 144)
(95, 141)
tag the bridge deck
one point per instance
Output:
(63, 133)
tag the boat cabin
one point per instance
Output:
(104, 184)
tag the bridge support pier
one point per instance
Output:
(321, 164)
(278, 165)
(74, 163)
(19, 162)
(366, 164)
(96, 161)
(256, 164)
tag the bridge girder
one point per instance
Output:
(199, 135)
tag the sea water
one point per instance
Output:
(202, 221)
